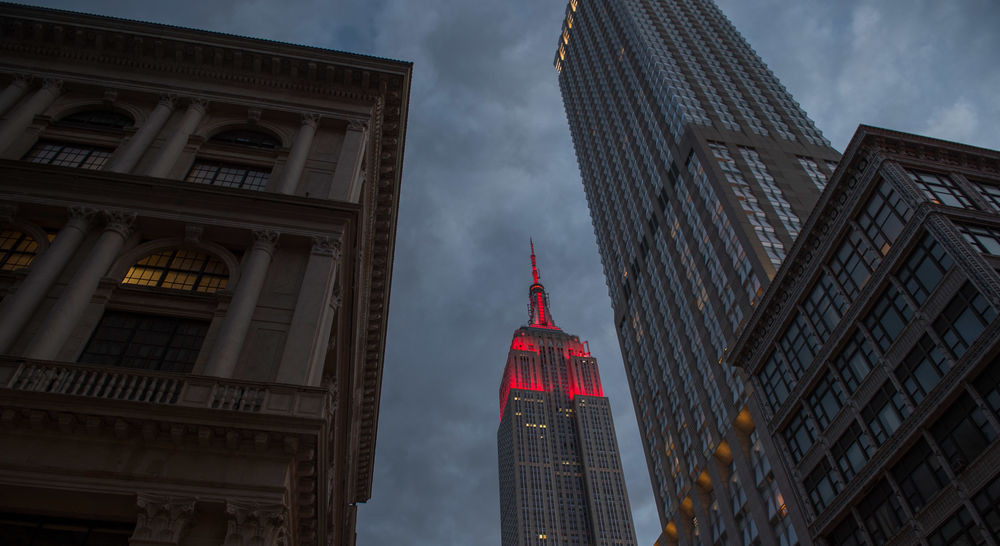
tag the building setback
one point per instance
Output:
(561, 479)
(197, 241)
(699, 170)
(886, 411)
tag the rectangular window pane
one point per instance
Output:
(940, 189)
(919, 475)
(963, 432)
(963, 319)
(924, 269)
(145, 341)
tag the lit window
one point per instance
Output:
(228, 175)
(939, 189)
(179, 270)
(17, 250)
(68, 155)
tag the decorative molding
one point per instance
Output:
(326, 246)
(252, 524)
(193, 233)
(265, 239)
(311, 120)
(119, 220)
(162, 520)
(7, 212)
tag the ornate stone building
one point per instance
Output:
(197, 242)
(876, 349)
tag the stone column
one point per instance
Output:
(252, 524)
(178, 139)
(349, 163)
(12, 93)
(297, 157)
(130, 152)
(17, 307)
(65, 314)
(309, 334)
(22, 116)
(162, 520)
(229, 342)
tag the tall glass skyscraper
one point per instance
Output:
(561, 478)
(700, 170)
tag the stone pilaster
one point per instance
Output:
(178, 139)
(297, 157)
(21, 116)
(130, 152)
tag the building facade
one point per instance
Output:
(561, 479)
(887, 411)
(197, 241)
(699, 170)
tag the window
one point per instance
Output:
(984, 239)
(987, 502)
(922, 368)
(96, 119)
(965, 317)
(826, 399)
(853, 262)
(228, 175)
(846, 533)
(888, 317)
(244, 137)
(179, 269)
(924, 269)
(884, 412)
(882, 512)
(988, 386)
(800, 435)
(855, 361)
(824, 305)
(64, 154)
(851, 450)
(960, 528)
(798, 344)
(883, 217)
(990, 192)
(919, 475)
(940, 189)
(149, 342)
(17, 250)
(822, 485)
(963, 432)
(776, 380)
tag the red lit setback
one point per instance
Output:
(583, 375)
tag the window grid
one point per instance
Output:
(882, 512)
(920, 475)
(855, 361)
(940, 189)
(963, 432)
(924, 269)
(178, 269)
(852, 450)
(990, 192)
(922, 368)
(963, 319)
(853, 262)
(63, 154)
(888, 317)
(228, 175)
(883, 217)
(985, 239)
(148, 342)
(960, 528)
(825, 399)
(17, 250)
(885, 412)
(987, 502)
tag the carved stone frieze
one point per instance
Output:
(326, 246)
(252, 524)
(265, 239)
(162, 520)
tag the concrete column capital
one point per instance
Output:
(81, 216)
(198, 104)
(311, 120)
(326, 246)
(265, 239)
(167, 100)
(252, 524)
(22, 80)
(162, 520)
(119, 221)
(357, 125)
(52, 84)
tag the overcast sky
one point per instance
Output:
(489, 162)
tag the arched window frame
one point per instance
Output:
(227, 164)
(92, 145)
(36, 233)
(119, 270)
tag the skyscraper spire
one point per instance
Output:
(540, 316)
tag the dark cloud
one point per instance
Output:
(489, 162)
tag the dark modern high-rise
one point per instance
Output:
(889, 411)
(700, 170)
(561, 479)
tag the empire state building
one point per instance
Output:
(561, 479)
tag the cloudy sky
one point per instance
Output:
(489, 162)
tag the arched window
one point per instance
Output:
(17, 250)
(97, 119)
(179, 269)
(245, 137)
